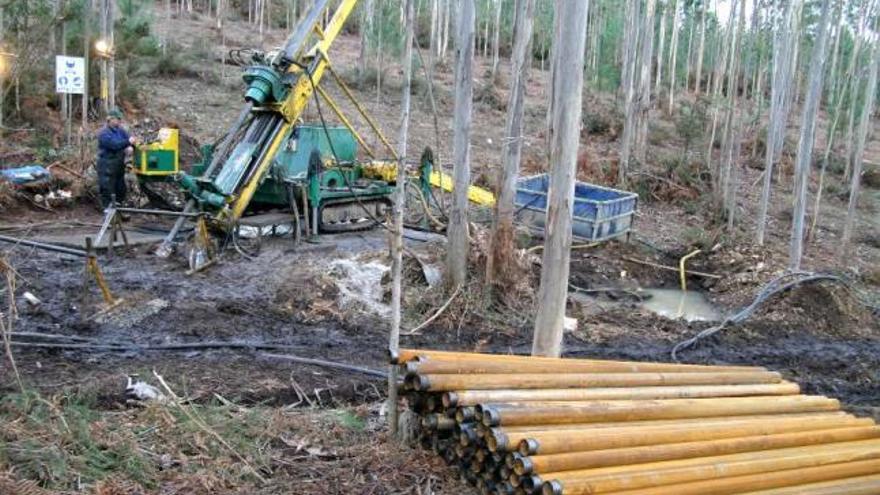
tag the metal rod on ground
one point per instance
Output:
(549, 442)
(419, 355)
(606, 480)
(474, 397)
(659, 409)
(471, 366)
(790, 482)
(44, 246)
(451, 382)
(570, 461)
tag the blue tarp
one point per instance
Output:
(26, 176)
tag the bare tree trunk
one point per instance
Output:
(837, 97)
(447, 21)
(780, 85)
(457, 248)
(379, 53)
(805, 143)
(732, 127)
(433, 42)
(864, 129)
(567, 91)
(3, 79)
(630, 84)
(661, 42)
(502, 235)
(366, 28)
(397, 234)
(87, 36)
(673, 52)
(698, 81)
(644, 96)
(496, 38)
(689, 57)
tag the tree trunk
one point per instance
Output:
(864, 129)
(805, 143)
(837, 97)
(658, 78)
(780, 85)
(457, 249)
(397, 233)
(644, 96)
(366, 28)
(496, 38)
(567, 93)
(499, 261)
(698, 78)
(673, 52)
(630, 104)
(732, 128)
(87, 36)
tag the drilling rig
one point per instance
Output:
(270, 158)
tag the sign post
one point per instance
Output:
(70, 75)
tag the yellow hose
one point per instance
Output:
(681, 269)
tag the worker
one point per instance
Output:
(114, 144)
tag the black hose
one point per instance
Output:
(776, 286)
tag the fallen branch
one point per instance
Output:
(436, 314)
(672, 268)
(327, 364)
(207, 429)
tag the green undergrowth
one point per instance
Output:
(69, 442)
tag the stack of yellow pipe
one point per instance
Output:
(530, 425)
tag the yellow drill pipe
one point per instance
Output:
(448, 383)
(479, 365)
(653, 453)
(472, 397)
(555, 438)
(769, 481)
(605, 480)
(864, 485)
(425, 355)
(550, 442)
(624, 410)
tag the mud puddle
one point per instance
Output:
(676, 304)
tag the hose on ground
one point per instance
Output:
(776, 286)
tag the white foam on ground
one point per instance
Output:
(360, 284)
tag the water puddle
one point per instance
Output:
(677, 304)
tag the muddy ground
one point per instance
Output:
(313, 301)
(290, 297)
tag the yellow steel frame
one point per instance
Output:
(295, 103)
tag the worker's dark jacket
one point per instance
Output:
(111, 164)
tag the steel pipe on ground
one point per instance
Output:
(448, 383)
(606, 480)
(706, 448)
(552, 442)
(423, 355)
(657, 409)
(474, 397)
(498, 438)
(836, 473)
(865, 485)
(561, 365)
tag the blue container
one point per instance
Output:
(600, 213)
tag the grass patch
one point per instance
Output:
(66, 442)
